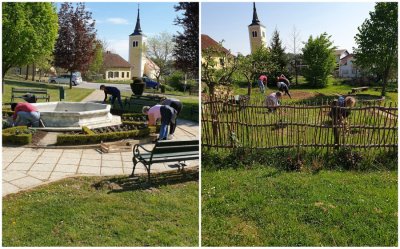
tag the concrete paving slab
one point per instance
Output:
(26, 182)
(55, 176)
(48, 167)
(9, 189)
(44, 159)
(5, 165)
(113, 163)
(52, 153)
(9, 158)
(66, 168)
(71, 155)
(89, 170)
(90, 162)
(24, 159)
(19, 166)
(111, 156)
(13, 175)
(69, 160)
(86, 155)
(41, 175)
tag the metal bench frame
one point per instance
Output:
(165, 151)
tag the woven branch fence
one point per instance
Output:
(233, 123)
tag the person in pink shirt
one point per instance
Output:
(166, 113)
(25, 114)
(262, 82)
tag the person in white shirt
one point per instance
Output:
(272, 101)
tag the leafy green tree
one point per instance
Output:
(29, 32)
(75, 46)
(255, 64)
(186, 51)
(96, 65)
(217, 67)
(318, 55)
(278, 56)
(377, 39)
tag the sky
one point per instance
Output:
(229, 22)
(115, 21)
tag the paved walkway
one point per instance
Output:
(25, 168)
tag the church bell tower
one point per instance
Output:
(137, 49)
(256, 32)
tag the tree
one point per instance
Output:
(217, 67)
(318, 55)
(160, 50)
(255, 64)
(186, 50)
(377, 42)
(96, 65)
(29, 32)
(278, 56)
(75, 47)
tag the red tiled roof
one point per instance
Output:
(207, 42)
(111, 60)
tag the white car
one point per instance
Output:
(64, 79)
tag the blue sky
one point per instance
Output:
(115, 21)
(229, 21)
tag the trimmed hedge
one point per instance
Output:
(90, 137)
(18, 135)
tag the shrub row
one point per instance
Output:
(90, 137)
(18, 135)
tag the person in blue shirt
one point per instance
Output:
(115, 94)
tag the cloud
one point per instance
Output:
(120, 47)
(117, 20)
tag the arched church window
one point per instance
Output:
(135, 43)
(254, 33)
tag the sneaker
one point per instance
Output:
(170, 137)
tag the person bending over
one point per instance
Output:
(25, 114)
(177, 105)
(283, 88)
(163, 112)
(114, 92)
(262, 82)
(272, 101)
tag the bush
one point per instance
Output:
(90, 137)
(175, 80)
(19, 135)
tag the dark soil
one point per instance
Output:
(37, 136)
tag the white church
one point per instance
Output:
(116, 68)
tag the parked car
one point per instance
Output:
(65, 78)
(151, 83)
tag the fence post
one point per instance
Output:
(335, 109)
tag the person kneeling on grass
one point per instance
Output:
(25, 114)
(115, 94)
(177, 105)
(163, 112)
(272, 101)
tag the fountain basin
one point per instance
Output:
(69, 116)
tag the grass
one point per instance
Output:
(334, 86)
(83, 211)
(73, 95)
(264, 206)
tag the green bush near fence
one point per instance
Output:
(19, 135)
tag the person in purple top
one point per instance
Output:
(114, 92)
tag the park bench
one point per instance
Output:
(138, 102)
(165, 151)
(20, 92)
(359, 89)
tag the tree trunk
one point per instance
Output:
(296, 71)
(33, 72)
(27, 72)
(70, 80)
(249, 87)
(211, 87)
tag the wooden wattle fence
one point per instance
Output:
(228, 124)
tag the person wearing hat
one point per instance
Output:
(114, 92)
(262, 82)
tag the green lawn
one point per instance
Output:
(333, 87)
(84, 211)
(73, 95)
(263, 206)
